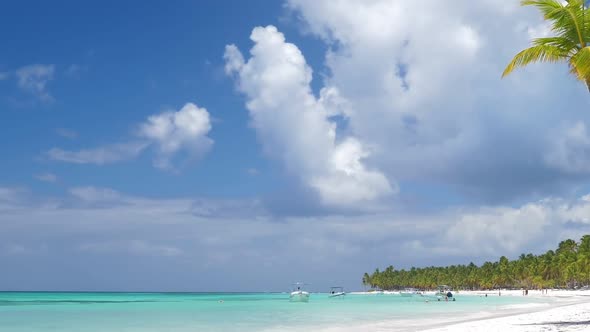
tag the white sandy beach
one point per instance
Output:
(566, 311)
(570, 312)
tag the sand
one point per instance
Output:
(570, 312)
(567, 311)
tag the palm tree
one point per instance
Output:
(570, 24)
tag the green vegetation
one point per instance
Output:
(570, 25)
(566, 267)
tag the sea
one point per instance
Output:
(180, 312)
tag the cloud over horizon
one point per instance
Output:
(111, 227)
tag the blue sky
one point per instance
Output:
(222, 145)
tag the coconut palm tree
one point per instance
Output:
(570, 43)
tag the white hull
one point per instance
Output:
(337, 294)
(299, 296)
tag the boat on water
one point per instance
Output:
(408, 292)
(298, 294)
(444, 293)
(337, 291)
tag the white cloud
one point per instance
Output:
(172, 132)
(493, 231)
(539, 31)
(232, 236)
(99, 156)
(34, 79)
(570, 149)
(505, 230)
(168, 133)
(295, 127)
(46, 177)
(432, 105)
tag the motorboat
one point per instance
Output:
(298, 294)
(444, 293)
(408, 292)
(337, 291)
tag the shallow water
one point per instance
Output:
(175, 312)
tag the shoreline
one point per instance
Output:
(562, 310)
(566, 317)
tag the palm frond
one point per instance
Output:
(538, 53)
(566, 44)
(570, 25)
(568, 21)
(547, 7)
(581, 63)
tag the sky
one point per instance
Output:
(244, 146)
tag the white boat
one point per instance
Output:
(408, 292)
(444, 293)
(298, 294)
(336, 291)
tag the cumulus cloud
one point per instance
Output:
(503, 230)
(34, 79)
(167, 133)
(295, 127)
(432, 107)
(186, 130)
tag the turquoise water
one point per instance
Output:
(175, 312)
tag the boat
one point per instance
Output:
(444, 293)
(442, 290)
(408, 292)
(298, 294)
(336, 291)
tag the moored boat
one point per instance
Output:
(444, 293)
(337, 291)
(298, 294)
(408, 292)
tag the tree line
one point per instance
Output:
(566, 267)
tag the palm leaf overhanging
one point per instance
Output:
(570, 24)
